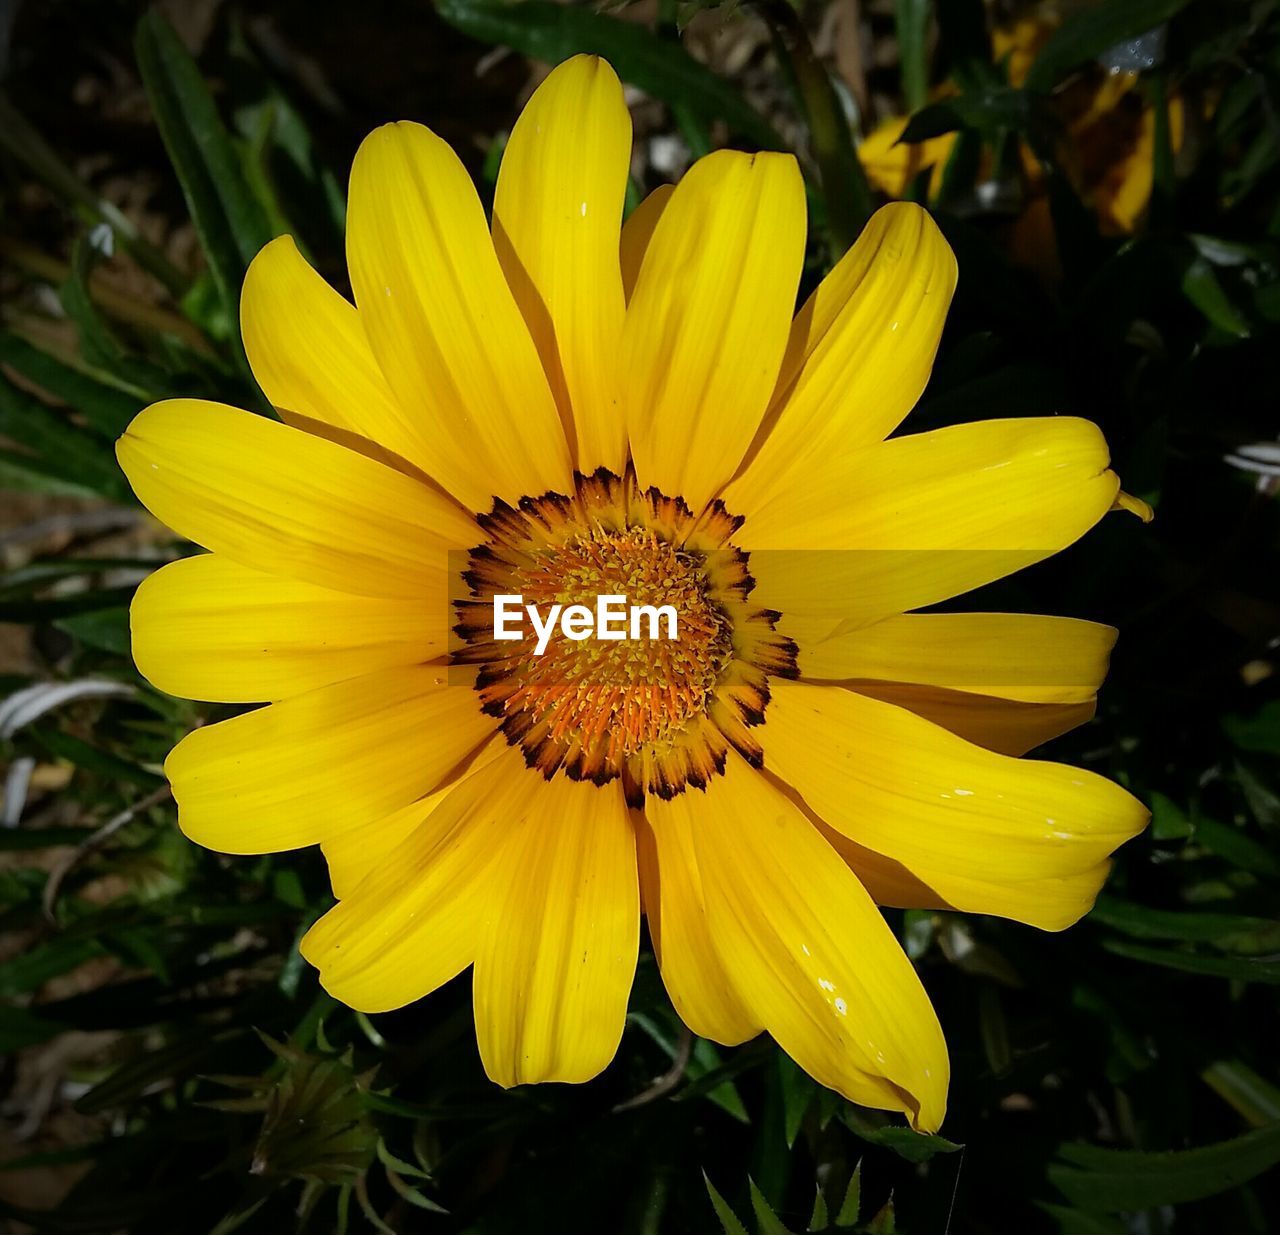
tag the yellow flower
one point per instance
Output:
(1109, 153)
(562, 409)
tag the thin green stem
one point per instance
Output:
(911, 19)
(844, 184)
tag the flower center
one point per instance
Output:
(627, 692)
(658, 693)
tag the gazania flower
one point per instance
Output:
(1109, 150)
(561, 409)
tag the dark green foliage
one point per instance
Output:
(1119, 1077)
(231, 222)
(553, 32)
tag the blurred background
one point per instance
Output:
(1109, 176)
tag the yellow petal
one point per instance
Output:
(1123, 195)
(557, 217)
(1134, 505)
(414, 922)
(1123, 191)
(892, 165)
(859, 355)
(977, 827)
(888, 882)
(1006, 726)
(558, 952)
(1063, 900)
(707, 325)
(280, 500)
(1011, 655)
(444, 325)
(1019, 42)
(296, 772)
(206, 628)
(807, 949)
(354, 854)
(637, 231)
(916, 520)
(695, 977)
(308, 350)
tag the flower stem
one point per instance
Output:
(844, 185)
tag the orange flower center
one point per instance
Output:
(661, 668)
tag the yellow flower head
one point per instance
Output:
(1108, 152)
(561, 407)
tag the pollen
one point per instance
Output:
(629, 693)
(659, 711)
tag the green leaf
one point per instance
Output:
(37, 965)
(1258, 1100)
(21, 473)
(59, 448)
(851, 1206)
(913, 1146)
(704, 1060)
(46, 609)
(29, 579)
(911, 18)
(105, 406)
(728, 1219)
(845, 191)
(204, 305)
(1262, 798)
(885, 1222)
(230, 222)
(111, 767)
(307, 189)
(1201, 286)
(988, 111)
(98, 343)
(1237, 847)
(660, 67)
(154, 1067)
(1223, 929)
(744, 1059)
(260, 140)
(1259, 732)
(105, 629)
(819, 1219)
(798, 1090)
(100, 346)
(234, 1220)
(1168, 820)
(1118, 1180)
(399, 1165)
(767, 1222)
(1088, 33)
(1239, 968)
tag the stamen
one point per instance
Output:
(645, 708)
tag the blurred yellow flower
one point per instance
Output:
(563, 407)
(1109, 131)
